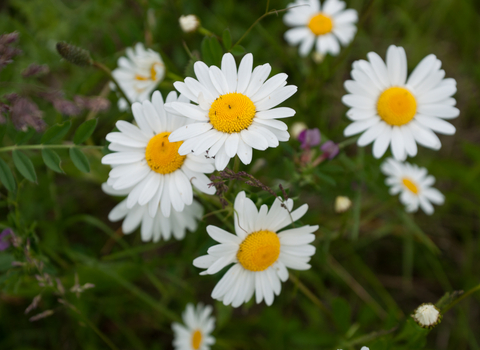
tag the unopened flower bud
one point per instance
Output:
(427, 315)
(342, 204)
(318, 57)
(189, 23)
(74, 54)
(35, 70)
(297, 128)
(309, 138)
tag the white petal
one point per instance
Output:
(244, 73)
(382, 141)
(436, 124)
(361, 125)
(229, 69)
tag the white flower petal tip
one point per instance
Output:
(196, 331)
(138, 74)
(390, 110)
(325, 28)
(253, 271)
(427, 315)
(414, 185)
(150, 169)
(233, 111)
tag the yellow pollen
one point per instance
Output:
(196, 339)
(396, 106)
(153, 74)
(320, 24)
(259, 250)
(232, 112)
(410, 185)
(162, 155)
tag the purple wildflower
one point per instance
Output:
(309, 138)
(330, 149)
(4, 238)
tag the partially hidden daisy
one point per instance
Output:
(138, 74)
(234, 110)
(325, 26)
(389, 109)
(156, 227)
(145, 161)
(414, 185)
(259, 253)
(195, 334)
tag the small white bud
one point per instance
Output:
(297, 128)
(317, 57)
(342, 204)
(427, 315)
(189, 23)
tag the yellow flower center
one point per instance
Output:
(232, 112)
(162, 155)
(196, 339)
(259, 250)
(396, 106)
(410, 185)
(153, 73)
(320, 24)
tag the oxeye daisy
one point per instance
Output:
(259, 252)
(414, 185)
(138, 74)
(390, 109)
(145, 161)
(158, 226)
(323, 26)
(234, 110)
(195, 335)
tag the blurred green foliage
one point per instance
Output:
(374, 264)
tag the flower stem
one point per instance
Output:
(308, 293)
(471, 291)
(15, 147)
(107, 71)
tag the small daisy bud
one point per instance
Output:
(189, 23)
(342, 204)
(427, 315)
(74, 54)
(318, 57)
(297, 128)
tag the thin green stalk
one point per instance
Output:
(174, 76)
(308, 293)
(107, 71)
(465, 295)
(348, 142)
(41, 146)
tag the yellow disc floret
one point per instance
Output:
(196, 339)
(232, 112)
(162, 155)
(259, 250)
(396, 106)
(410, 185)
(320, 24)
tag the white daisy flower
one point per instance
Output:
(195, 335)
(413, 184)
(427, 315)
(138, 74)
(391, 110)
(158, 226)
(259, 252)
(148, 163)
(234, 112)
(325, 26)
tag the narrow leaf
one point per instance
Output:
(84, 131)
(216, 50)
(80, 160)
(24, 165)
(227, 39)
(23, 137)
(237, 50)
(56, 132)
(6, 176)
(52, 160)
(206, 52)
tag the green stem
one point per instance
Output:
(465, 295)
(107, 71)
(205, 31)
(348, 142)
(15, 147)
(308, 293)
(174, 76)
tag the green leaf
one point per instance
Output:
(3, 130)
(216, 50)
(6, 176)
(206, 52)
(23, 137)
(80, 160)
(341, 314)
(237, 50)
(56, 132)
(52, 160)
(227, 39)
(84, 131)
(24, 165)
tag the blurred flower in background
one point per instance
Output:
(189, 23)
(195, 334)
(309, 138)
(5, 238)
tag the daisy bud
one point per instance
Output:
(189, 23)
(317, 57)
(342, 204)
(330, 149)
(74, 54)
(309, 138)
(427, 315)
(297, 128)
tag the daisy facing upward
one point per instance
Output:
(195, 334)
(389, 109)
(259, 252)
(323, 26)
(233, 110)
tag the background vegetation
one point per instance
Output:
(374, 264)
